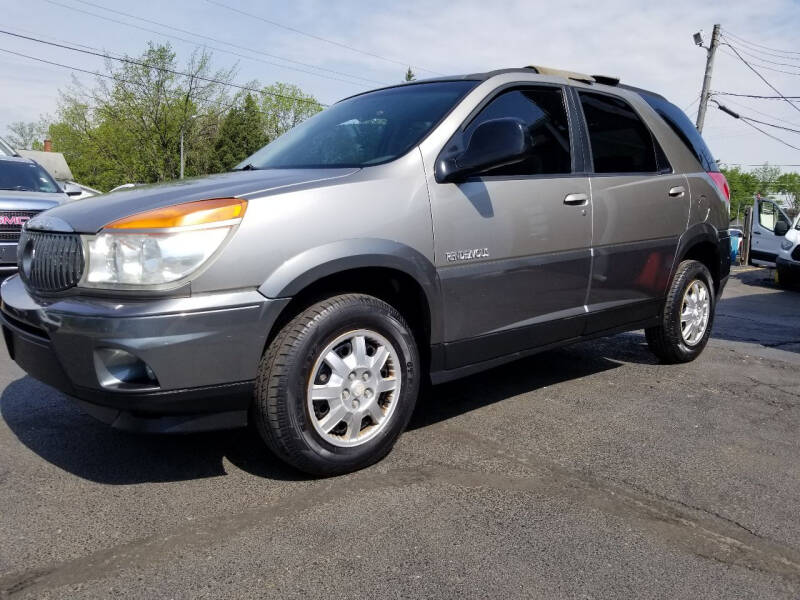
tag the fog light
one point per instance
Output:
(117, 368)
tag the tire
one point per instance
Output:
(786, 279)
(295, 427)
(667, 340)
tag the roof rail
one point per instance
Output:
(603, 79)
(606, 79)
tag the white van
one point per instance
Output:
(765, 242)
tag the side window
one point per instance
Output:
(769, 214)
(545, 115)
(620, 141)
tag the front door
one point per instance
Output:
(764, 244)
(512, 246)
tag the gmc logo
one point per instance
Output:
(18, 221)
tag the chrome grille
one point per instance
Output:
(50, 262)
(11, 222)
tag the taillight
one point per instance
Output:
(723, 186)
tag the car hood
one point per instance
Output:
(92, 214)
(16, 200)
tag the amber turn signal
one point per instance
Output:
(202, 212)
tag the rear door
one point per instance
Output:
(512, 246)
(640, 209)
(764, 244)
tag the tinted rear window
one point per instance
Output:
(684, 129)
(620, 141)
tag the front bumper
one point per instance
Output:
(202, 352)
(788, 265)
(8, 258)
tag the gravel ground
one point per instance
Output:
(586, 472)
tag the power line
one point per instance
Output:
(766, 68)
(765, 60)
(755, 96)
(150, 66)
(744, 41)
(725, 162)
(760, 76)
(117, 78)
(194, 43)
(50, 62)
(317, 37)
(206, 37)
(747, 121)
(762, 113)
(770, 135)
(688, 106)
(770, 124)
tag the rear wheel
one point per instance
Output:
(337, 385)
(687, 316)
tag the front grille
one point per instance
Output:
(50, 262)
(11, 222)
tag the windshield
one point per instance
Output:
(369, 129)
(23, 176)
(5, 149)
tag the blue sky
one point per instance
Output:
(647, 44)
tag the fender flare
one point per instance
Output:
(696, 234)
(303, 269)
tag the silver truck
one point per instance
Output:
(420, 232)
(26, 189)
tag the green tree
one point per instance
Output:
(767, 177)
(743, 187)
(283, 106)
(789, 184)
(129, 128)
(241, 133)
(410, 76)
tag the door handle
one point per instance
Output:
(756, 233)
(677, 192)
(576, 199)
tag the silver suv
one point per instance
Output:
(420, 232)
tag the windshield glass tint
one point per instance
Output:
(366, 130)
(25, 177)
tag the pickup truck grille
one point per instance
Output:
(11, 222)
(50, 262)
(796, 253)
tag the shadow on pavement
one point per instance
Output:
(526, 375)
(759, 312)
(53, 427)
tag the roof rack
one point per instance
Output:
(603, 79)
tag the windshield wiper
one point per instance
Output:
(19, 188)
(247, 167)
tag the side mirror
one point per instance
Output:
(495, 143)
(70, 189)
(781, 228)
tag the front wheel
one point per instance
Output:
(337, 385)
(687, 317)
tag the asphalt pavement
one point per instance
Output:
(586, 472)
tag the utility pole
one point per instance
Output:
(183, 127)
(182, 161)
(704, 94)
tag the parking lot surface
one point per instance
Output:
(590, 472)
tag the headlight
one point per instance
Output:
(159, 246)
(786, 244)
